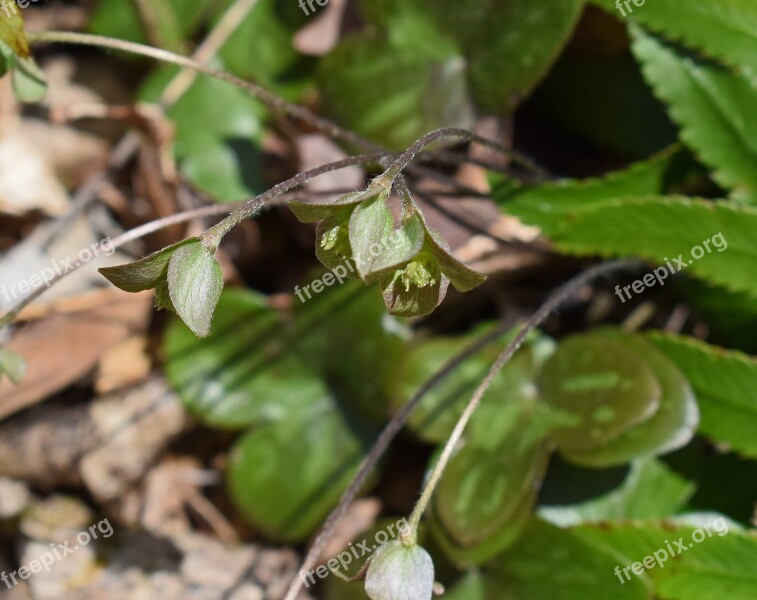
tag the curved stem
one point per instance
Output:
(270, 99)
(396, 423)
(561, 294)
(247, 208)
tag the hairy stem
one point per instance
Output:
(396, 423)
(214, 234)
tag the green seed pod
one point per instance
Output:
(400, 572)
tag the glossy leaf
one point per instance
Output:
(670, 428)
(195, 283)
(603, 385)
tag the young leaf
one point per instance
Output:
(670, 428)
(195, 282)
(146, 273)
(603, 384)
(400, 572)
(714, 107)
(724, 382)
(13, 365)
(378, 248)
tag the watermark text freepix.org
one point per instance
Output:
(57, 552)
(310, 4)
(672, 549)
(619, 4)
(12, 292)
(661, 273)
(9, 8)
(345, 558)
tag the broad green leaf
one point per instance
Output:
(171, 21)
(12, 29)
(345, 335)
(660, 229)
(651, 490)
(670, 428)
(507, 45)
(13, 365)
(145, 273)
(722, 559)
(219, 132)
(400, 572)
(513, 391)
(286, 475)
(244, 373)
(724, 382)
(603, 385)
(390, 94)
(547, 205)
(261, 50)
(548, 562)
(713, 106)
(485, 496)
(195, 283)
(726, 29)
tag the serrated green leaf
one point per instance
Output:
(670, 428)
(13, 365)
(726, 29)
(651, 490)
(548, 205)
(700, 571)
(662, 228)
(713, 106)
(285, 476)
(603, 385)
(548, 562)
(195, 283)
(145, 273)
(724, 382)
